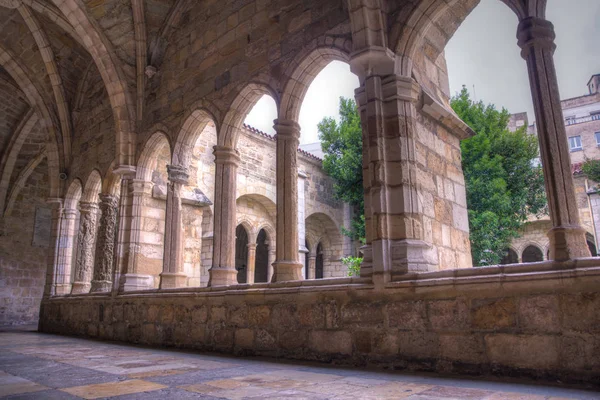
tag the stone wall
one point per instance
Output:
(529, 321)
(24, 243)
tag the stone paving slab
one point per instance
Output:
(40, 366)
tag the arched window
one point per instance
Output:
(510, 257)
(532, 254)
(319, 262)
(261, 269)
(241, 253)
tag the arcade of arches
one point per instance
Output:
(137, 206)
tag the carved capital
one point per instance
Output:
(226, 155)
(287, 129)
(87, 207)
(178, 174)
(533, 33)
(108, 201)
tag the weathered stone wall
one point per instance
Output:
(24, 243)
(480, 321)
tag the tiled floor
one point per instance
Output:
(38, 366)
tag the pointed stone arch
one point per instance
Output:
(110, 69)
(153, 145)
(193, 125)
(22, 180)
(239, 108)
(93, 187)
(300, 74)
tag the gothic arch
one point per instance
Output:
(73, 194)
(93, 186)
(110, 69)
(300, 75)
(154, 144)
(194, 124)
(22, 180)
(111, 181)
(239, 108)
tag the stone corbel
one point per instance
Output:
(433, 108)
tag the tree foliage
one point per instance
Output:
(342, 144)
(592, 169)
(503, 184)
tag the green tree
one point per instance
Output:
(342, 144)
(503, 184)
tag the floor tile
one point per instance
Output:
(113, 389)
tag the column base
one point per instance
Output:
(286, 271)
(80, 288)
(411, 255)
(132, 282)
(567, 243)
(61, 289)
(222, 276)
(101, 286)
(172, 280)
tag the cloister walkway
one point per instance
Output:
(42, 366)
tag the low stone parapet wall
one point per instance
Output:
(540, 321)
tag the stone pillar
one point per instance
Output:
(286, 266)
(86, 244)
(251, 263)
(302, 250)
(105, 244)
(393, 211)
(65, 252)
(54, 250)
(223, 272)
(594, 201)
(173, 275)
(312, 266)
(567, 238)
(272, 255)
(125, 219)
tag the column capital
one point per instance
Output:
(251, 246)
(109, 200)
(286, 129)
(70, 213)
(399, 87)
(226, 155)
(178, 174)
(126, 171)
(534, 32)
(373, 60)
(55, 201)
(87, 206)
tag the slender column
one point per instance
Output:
(393, 212)
(567, 238)
(65, 252)
(271, 260)
(173, 275)
(302, 250)
(286, 266)
(86, 244)
(53, 254)
(251, 263)
(223, 272)
(125, 220)
(105, 244)
(312, 266)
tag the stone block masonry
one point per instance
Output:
(484, 321)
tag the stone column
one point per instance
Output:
(302, 250)
(272, 255)
(393, 211)
(125, 220)
(567, 238)
(173, 275)
(312, 266)
(251, 263)
(65, 252)
(54, 250)
(86, 244)
(286, 266)
(223, 272)
(105, 244)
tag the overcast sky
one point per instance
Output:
(482, 54)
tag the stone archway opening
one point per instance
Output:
(532, 254)
(261, 271)
(591, 243)
(241, 253)
(319, 265)
(510, 257)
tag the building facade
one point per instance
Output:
(582, 126)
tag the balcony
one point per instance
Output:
(581, 120)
